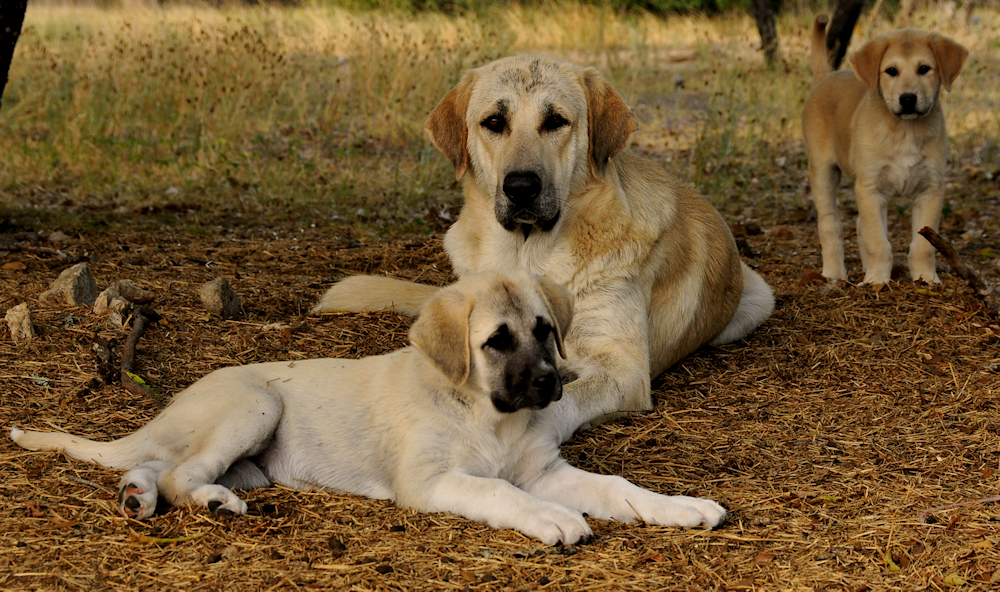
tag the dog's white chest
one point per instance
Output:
(905, 175)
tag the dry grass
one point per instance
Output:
(318, 111)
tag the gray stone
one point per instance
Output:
(74, 286)
(18, 319)
(219, 298)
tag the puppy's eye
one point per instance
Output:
(495, 123)
(923, 69)
(501, 340)
(892, 71)
(554, 122)
(542, 329)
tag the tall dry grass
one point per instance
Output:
(315, 113)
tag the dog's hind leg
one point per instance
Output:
(756, 304)
(873, 236)
(137, 490)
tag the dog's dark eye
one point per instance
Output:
(495, 123)
(892, 72)
(923, 69)
(542, 329)
(501, 340)
(554, 122)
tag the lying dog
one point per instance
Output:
(459, 422)
(881, 125)
(540, 146)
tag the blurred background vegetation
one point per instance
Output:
(311, 113)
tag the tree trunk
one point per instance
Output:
(11, 19)
(765, 13)
(838, 35)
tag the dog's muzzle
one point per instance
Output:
(523, 190)
(908, 106)
(530, 391)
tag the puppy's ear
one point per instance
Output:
(441, 333)
(867, 61)
(559, 301)
(446, 125)
(610, 121)
(950, 58)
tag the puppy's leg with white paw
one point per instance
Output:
(926, 212)
(614, 498)
(502, 505)
(137, 491)
(873, 235)
(824, 180)
(193, 481)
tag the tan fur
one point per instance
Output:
(858, 124)
(653, 267)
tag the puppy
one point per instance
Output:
(881, 125)
(541, 146)
(458, 422)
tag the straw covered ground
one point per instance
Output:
(826, 433)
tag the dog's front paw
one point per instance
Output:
(137, 502)
(681, 510)
(558, 524)
(219, 500)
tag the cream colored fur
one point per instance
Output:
(653, 267)
(420, 426)
(883, 126)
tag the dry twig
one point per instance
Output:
(141, 317)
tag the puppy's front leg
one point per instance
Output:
(502, 505)
(615, 498)
(926, 212)
(873, 235)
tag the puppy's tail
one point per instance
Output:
(756, 304)
(819, 60)
(119, 454)
(369, 293)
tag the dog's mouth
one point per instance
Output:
(505, 406)
(526, 221)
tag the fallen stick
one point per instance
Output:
(141, 317)
(922, 518)
(987, 295)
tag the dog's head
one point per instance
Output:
(909, 67)
(530, 130)
(498, 334)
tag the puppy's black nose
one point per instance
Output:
(908, 102)
(522, 187)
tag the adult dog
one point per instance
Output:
(540, 146)
(881, 125)
(458, 422)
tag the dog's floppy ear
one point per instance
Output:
(446, 125)
(950, 58)
(867, 61)
(559, 301)
(610, 121)
(441, 333)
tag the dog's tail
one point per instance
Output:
(819, 60)
(756, 304)
(370, 293)
(119, 454)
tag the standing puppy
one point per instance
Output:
(881, 125)
(460, 422)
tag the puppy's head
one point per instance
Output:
(531, 130)
(908, 67)
(498, 334)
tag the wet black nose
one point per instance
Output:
(522, 188)
(908, 102)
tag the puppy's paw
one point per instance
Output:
(681, 510)
(556, 524)
(219, 500)
(137, 502)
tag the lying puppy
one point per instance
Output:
(459, 422)
(541, 148)
(883, 126)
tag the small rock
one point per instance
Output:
(19, 321)
(58, 237)
(219, 298)
(119, 297)
(74, 286)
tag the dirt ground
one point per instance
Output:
(827, 433)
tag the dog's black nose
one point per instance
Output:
(522, 188)
(908, 102)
